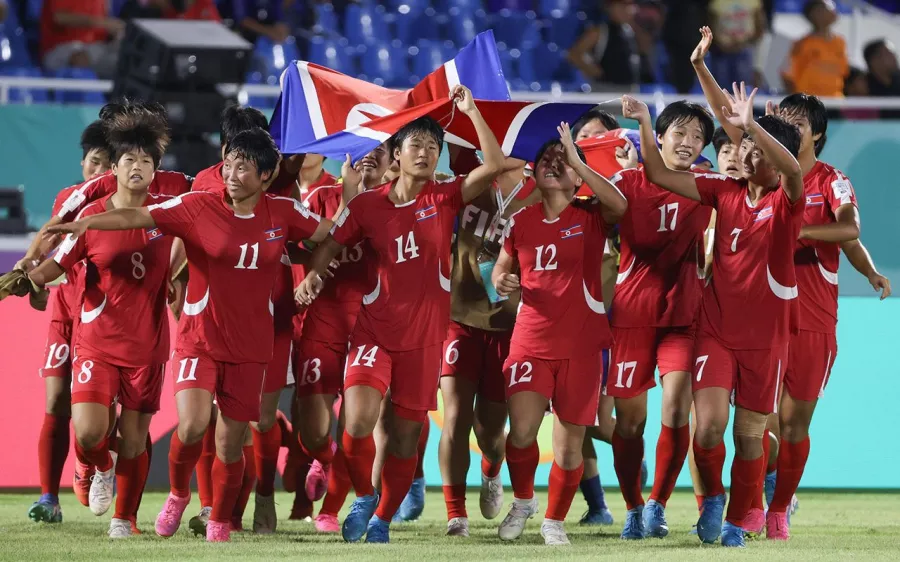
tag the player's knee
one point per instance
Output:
(192, 430)
(748, 446)
(311, 439)
(630, 427)
(568, 458)
(89, 437)
(521, 437)
(794, 432)
(709, 435)
(266, 422)
(488, 437)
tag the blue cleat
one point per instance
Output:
(634, 524)
(361, 511)
(378, 531)
(602, 517)
(46, 509)
(655, 520)
(413, 504)
(645, 474)
(769, 486)
(709, 526)
(732, 536)
(693, 530)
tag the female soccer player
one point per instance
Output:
(122, 340)
(234, 245)
(560, 331)
(398, 338)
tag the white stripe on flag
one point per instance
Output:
(312, 100)
(509, 141)
(368, 133)
(451, 73)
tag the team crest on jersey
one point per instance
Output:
(426, 213)
(153, 234)
(571, 232)
(274, 234)
(763, 214)
(815, 200)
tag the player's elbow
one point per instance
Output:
(852, 231)
(617, 209)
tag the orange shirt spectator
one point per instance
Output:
(818, 66)
(56, 31)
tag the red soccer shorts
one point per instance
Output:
(753, 375)
(319, 367)
(809, 365)
(58, 356)
(98, 382)
(571, 385)
(477, 355)
(237, 387)
(412, 375)
(638, 351)
(278, 368)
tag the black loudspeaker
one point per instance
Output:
(182, 55)
(190, 113)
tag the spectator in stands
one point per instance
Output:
(737, 26)
(818, 63)
(683, 19)
(170, 9)
(76, 33)
(608, 53)
(255, 18)
(856, 83)
(884, 75)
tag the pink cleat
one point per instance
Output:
(777, 527)
(317, 481)
(754, 522)
(327, 523)
(218, 532)
(169, 519)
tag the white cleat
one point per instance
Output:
(554, 534)
(458, 527)
(265, 521)
(119, 529)
(491, 497)
(103, 486)
(514, 523)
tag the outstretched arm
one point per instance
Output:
(481, 177)
(117, 219)
(714, 95)
(613, 202)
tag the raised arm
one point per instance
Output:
(613, 202)
(503, 278)
(714, 94)
(117, 219)
(681, 183)
(859, 258)
(845, 229)
(481, 177)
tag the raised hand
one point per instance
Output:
(635, 109)
(568, 144)
(702, 48)
(507, 284)
(772, 108)
(463, 99)
(627, 156)
(740, 114)
(350, 174)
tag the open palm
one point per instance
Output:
(739, 111)
(702, 48)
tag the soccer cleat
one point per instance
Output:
(491, 498)
(119, 529)
(514, 523)
(216, 531)
(361, 511)
(554, 534)
(81, 482)
(655, 520)
(169, 519)
(317, 480)
(604, 517)
(794, 507)
(709, 525)
(634, 524)
(327, 523)
(732, 536)
(134, 527)
(458, 527)
(645, 474)
(198, 522)
(777, 528)
(414, 503)
(754, 522)
(378, 531)
(103, 488)
(265, 520)
(769, 485)
(46, 509)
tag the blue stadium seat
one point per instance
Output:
(541, 63)
(555, 8)
(13, 44)
(515, 29)
(508, 62)
(365, 24)
(331, 54)
(26, 95)
(384, 65)
(660, 88)
(562, 31)
(276, 56)
(407, 6)
(517, 5)
(426, 57)
(326, 19)
(261, 102)
(33, 10)
(464, 26)
(75, 96)
(465, 5)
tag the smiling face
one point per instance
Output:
(418, 156)
(551, 173)
(134, 170)
(755, 167)
(242, 179)
(681, 144)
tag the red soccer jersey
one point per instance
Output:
(232, 260)
(661, 265)
(409, 305)
(748, 302)
(67, 295)
(163, 183)
(333, 314)
(826, 189)
(561, 315)
(124, 319)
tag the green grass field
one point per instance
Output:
(829, 526)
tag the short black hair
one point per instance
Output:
(421, 126)
(125, 106)
(236, 119)
(94, 138)
(133, 132)
(720, 139)
(810, 6)
(782, 131)
(604, 117)
(257, 146)
(680, 113)
(871, 49)
(814, 110)
(550, 144)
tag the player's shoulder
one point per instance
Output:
(93, 208)
(322, 193)
(630, 175)
(172, 182)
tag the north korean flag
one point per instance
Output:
(274, 234)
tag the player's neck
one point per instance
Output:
(406, 188)
(757, 192)
(310, 176)
(124, 198)
(246, 206)
(807, 161)
(553, 203)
